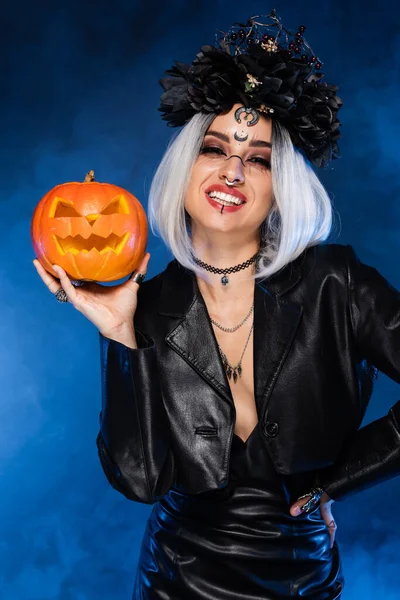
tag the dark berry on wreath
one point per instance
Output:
(233, 36)
(291, 45)
(318, 65)
(302, 28)
(297, 50)
(313, 58)
(242, 34)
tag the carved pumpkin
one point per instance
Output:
(94, 231)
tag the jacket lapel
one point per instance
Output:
(192, 337)
(194, 340)
(275, 325)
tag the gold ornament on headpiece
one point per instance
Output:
(251, 83)
(270, 46)
(266, 109)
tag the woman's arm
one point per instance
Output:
(134, 438)
(372, 455)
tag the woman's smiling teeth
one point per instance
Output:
(225, 199)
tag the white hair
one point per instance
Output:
(300, 216)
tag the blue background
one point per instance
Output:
(79, 91)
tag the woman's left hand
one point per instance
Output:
(326, 512)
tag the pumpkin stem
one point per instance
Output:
(89, 176)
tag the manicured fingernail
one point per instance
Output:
(297, 511)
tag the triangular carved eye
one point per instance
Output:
(64, 208)
(117, 205)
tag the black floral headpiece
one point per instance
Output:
(266, 67)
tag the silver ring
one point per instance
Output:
(315, 494)
(138, 277)
(61, 295)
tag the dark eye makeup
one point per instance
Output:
(215, 150)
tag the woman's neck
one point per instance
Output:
(232, 297)
(222, 251)
(239, 292)
(227, 299)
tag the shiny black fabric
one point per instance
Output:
(239, 542)
(323, 326)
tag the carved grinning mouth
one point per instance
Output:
(77, 244)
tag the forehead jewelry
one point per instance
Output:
(248, 111)
(240, 139)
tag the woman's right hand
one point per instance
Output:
(109, 308)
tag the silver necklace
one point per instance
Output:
(232, 329)
(235, 370)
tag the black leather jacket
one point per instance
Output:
(323, 326)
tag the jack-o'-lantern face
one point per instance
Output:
(95, 231)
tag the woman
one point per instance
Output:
(235, 381)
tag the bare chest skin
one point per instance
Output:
(243, 390)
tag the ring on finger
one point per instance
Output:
(315, 494)
(138, 277)
(61, 295)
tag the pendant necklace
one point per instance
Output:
(228, 270)
(234, 370)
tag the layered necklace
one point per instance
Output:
(232, 371)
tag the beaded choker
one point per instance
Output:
(228, 270)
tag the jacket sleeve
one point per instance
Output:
(372, 455)
(134, 438)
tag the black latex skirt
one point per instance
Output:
(238, 543)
